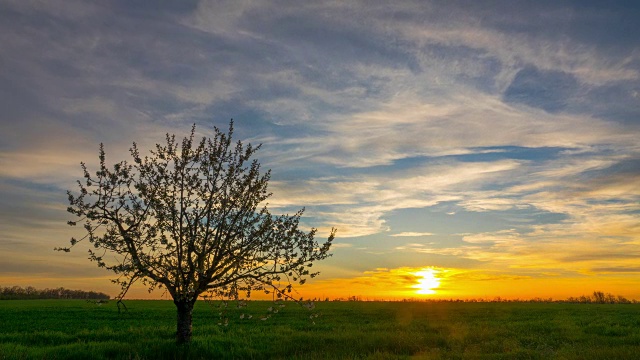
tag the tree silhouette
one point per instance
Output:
(187, 218)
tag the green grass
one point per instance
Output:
(74, 329)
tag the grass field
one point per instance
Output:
(76, 329)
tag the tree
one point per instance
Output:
(187, 218)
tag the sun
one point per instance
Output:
(428, 281)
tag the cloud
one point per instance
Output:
(488, 203)
(547, 248)
(357, 205)
(617, 270)
(341, 245)
(408, 127)
(506, 237)
(411, 234)
(364, 109)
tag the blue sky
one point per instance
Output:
(494, 137)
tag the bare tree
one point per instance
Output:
(191, 217)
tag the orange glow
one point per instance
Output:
(420, 283)
(455, 283)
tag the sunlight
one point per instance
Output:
(428, 281)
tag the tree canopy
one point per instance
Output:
(192, 217)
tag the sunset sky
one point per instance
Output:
(465, 149)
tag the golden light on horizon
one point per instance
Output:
(428, 282)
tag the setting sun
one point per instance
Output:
(428, 282)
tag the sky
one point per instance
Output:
(462, 149)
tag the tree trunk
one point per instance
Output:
(185, 314)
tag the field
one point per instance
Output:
(76, 329)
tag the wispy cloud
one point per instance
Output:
(411, 234)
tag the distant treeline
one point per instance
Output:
(598, 297)
(31, 293)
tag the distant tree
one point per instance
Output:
(599, 297)
(187, 218)
(622, 300)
